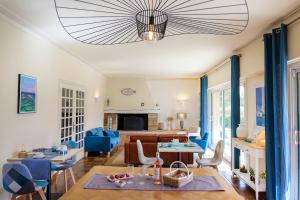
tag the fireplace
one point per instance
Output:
(133, 122)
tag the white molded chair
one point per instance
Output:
(143, 159)
(215, 160)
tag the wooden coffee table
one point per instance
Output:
(77, 192)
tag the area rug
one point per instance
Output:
(199, 183)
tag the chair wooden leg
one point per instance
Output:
(30, 196)
(65, 180)
(216, 167)
(14, 197)
(86, 154)
(54, 179)
(42, 194)
(72, 175)
(108, 154)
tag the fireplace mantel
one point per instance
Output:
(141, 110)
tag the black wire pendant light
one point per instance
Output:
(109, 22)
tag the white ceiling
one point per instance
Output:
(172, 57)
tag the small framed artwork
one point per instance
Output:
(26, 94)
(260, 106)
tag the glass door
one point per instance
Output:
(72, 118)
(227, 124)
(216, 117)
(220, 116)
(221, 119)
(297, 132)
(294, 111)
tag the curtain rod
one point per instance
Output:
(221, 65)
(293, 21)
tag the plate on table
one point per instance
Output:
(116, 177)
(38, 156)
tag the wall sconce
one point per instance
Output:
(182, 100)
(96, 97)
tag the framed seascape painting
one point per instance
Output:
(260, 106)
(26, 94)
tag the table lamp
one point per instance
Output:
(181, 117)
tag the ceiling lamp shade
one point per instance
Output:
(110, 22)
(151, 25)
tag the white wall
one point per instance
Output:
(26, 53)
(166, 93)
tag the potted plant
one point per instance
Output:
(252, 174)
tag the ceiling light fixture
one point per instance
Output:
(151, 25)
(109, 22)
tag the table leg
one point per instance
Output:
(48, 193)
(178, 158)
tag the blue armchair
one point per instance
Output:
(202, 143)
(98, 140)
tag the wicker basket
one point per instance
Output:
(178, 177)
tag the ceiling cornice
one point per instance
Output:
(19, 23)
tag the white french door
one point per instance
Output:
(72, 114)
(220, 123)
(294, 109)
(220, 116)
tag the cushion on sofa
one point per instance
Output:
(144, 138)
(91, 132)
(109, 133)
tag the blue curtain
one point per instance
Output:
(203, 105)
(235, 103)
(277, 139)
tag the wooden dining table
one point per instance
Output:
(78, 192)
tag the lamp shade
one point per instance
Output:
(181, 116)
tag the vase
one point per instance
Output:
(242, 131)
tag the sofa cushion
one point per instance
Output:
(109, 133)
(144, 138)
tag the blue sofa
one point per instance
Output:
(202, 143)
(99, 140)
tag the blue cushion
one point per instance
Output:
(99, 129)
(94, 132)
(110, 134)
(40, 183)
(99, 132)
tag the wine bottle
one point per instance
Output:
(157, 170)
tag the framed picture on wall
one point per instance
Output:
(26, 94)
(260, 106)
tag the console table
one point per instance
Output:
(258, 153)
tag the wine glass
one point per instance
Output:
(130, 169)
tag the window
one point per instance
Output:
(220, 116)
